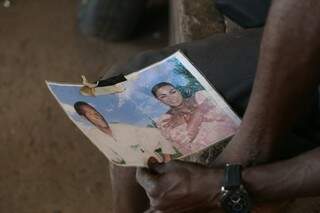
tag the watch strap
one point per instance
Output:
(232, 176)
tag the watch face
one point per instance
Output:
(236, 201)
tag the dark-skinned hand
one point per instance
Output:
(177, 187)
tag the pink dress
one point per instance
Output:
(215, 124)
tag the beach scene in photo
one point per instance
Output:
(167, 111)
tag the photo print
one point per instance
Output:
(167, 111)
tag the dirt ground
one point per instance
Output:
(46, 164)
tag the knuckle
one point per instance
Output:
(153, 190)
(157, 205)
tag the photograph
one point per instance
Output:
(166, 111)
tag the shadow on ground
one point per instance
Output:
(46, 164)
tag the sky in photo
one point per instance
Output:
(135, 105)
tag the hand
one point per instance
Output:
(180, 187)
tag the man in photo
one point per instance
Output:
(134, 144)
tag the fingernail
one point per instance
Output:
(153, 163)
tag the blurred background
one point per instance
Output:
(46, 164)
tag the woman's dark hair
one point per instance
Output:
(158, 86)
(78, 107)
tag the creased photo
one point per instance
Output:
(166, 111)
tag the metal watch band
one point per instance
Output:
(232, 176)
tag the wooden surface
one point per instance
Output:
(192, 20)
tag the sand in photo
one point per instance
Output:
(167, 111)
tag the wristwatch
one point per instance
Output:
(234, 196)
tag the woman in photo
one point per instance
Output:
(193, 123)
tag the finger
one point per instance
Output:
(187, 165)
(170, 166)
(152, 163)
(148, 180)
(175, 165)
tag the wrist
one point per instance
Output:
(270, 182)
(255, 183)
(214, 181)
(247, 149)
(234, 195)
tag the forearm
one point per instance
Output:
(297, 177)
(286, 75)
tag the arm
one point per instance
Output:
(285, 78)
(297, 177)
(287, 74)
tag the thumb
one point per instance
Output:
(153, 162)
(163, 168)
(148, 180)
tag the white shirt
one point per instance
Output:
(132, 144)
